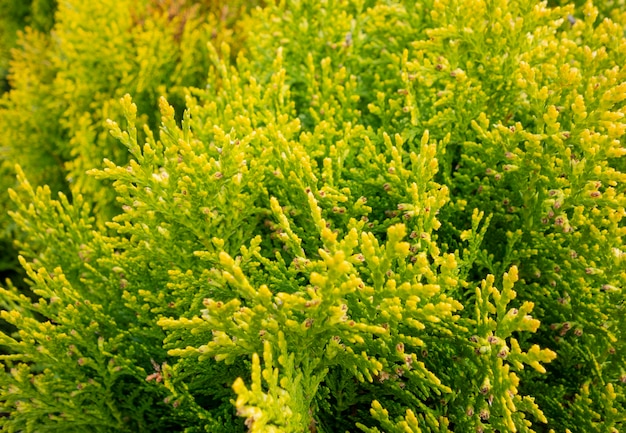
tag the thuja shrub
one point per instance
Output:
(16, 15)
(68, 73)
(378, 217)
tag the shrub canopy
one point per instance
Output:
(316, 216)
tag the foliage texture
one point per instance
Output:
(324, 216)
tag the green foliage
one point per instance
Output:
(65, 84)
(16, 14)
(339, 216)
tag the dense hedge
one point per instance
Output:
(317, 216)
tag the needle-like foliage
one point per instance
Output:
(349, 216)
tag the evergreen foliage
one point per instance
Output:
(317, 216)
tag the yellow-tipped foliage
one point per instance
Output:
(316, 216)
